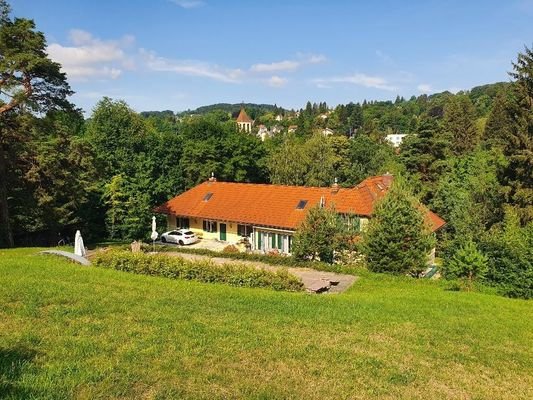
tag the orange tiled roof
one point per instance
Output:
(275, 205)
(243, 117)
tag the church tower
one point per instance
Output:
(244, 121)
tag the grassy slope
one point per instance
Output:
(71, 331)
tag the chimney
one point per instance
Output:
(212, 178)
(387, 179)
(335, 187)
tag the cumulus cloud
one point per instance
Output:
(191, 68)
(90, 57)
(358, 79)
(187, 4)
(277, 81)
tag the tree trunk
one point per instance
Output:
(6, 236)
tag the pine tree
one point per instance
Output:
(423, 153)
(397, 240)
(519, 149)
(499, 121)
(459, 123)
(467, 263)
(29, 78)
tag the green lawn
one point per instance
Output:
(79, 332)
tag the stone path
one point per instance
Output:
(313, 280)
(71, 256)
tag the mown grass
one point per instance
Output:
(68, 331)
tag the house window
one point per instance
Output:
(301, 204)
(209, 226)
(182, 223)
(208, 196)
(244, 230)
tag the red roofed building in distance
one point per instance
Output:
(244, 122)
(268, 215)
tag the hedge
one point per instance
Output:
(201, 271)
(277, 260)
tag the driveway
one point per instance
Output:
(313, 280)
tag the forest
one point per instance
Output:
(468, 156)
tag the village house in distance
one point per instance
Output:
(268, 215)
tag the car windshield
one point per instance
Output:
(189, 233)
(175, 233)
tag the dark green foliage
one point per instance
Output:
(321, 234)
(466, 195)
(518, 176)
(459, 124)
(509, 249)
(423, 153)
(214, 146)
(29, 81)
(253, 110)
(179, 268)
(397, 239)
(367, 158)
(499, 121)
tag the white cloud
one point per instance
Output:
(288, 65)
(191, 68)
(89, 57)
(359, 79)
(424, 88)
(187, 4)
(216, 72)
(277, 81)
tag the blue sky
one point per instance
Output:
(180, 54)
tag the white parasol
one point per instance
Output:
(79, 248)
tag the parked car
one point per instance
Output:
(179, 236)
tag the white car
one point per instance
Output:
(179, 236)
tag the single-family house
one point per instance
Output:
(268, 215)
(327, 132)
(395, 139)
(263, 132)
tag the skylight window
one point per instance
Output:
(301, 204)
(208, 196)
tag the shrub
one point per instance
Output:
(467, 263)
(202, 271)
(510, 257)
(231, 249)
(318, 237)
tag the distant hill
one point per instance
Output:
(481, 96)
(252, 109)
